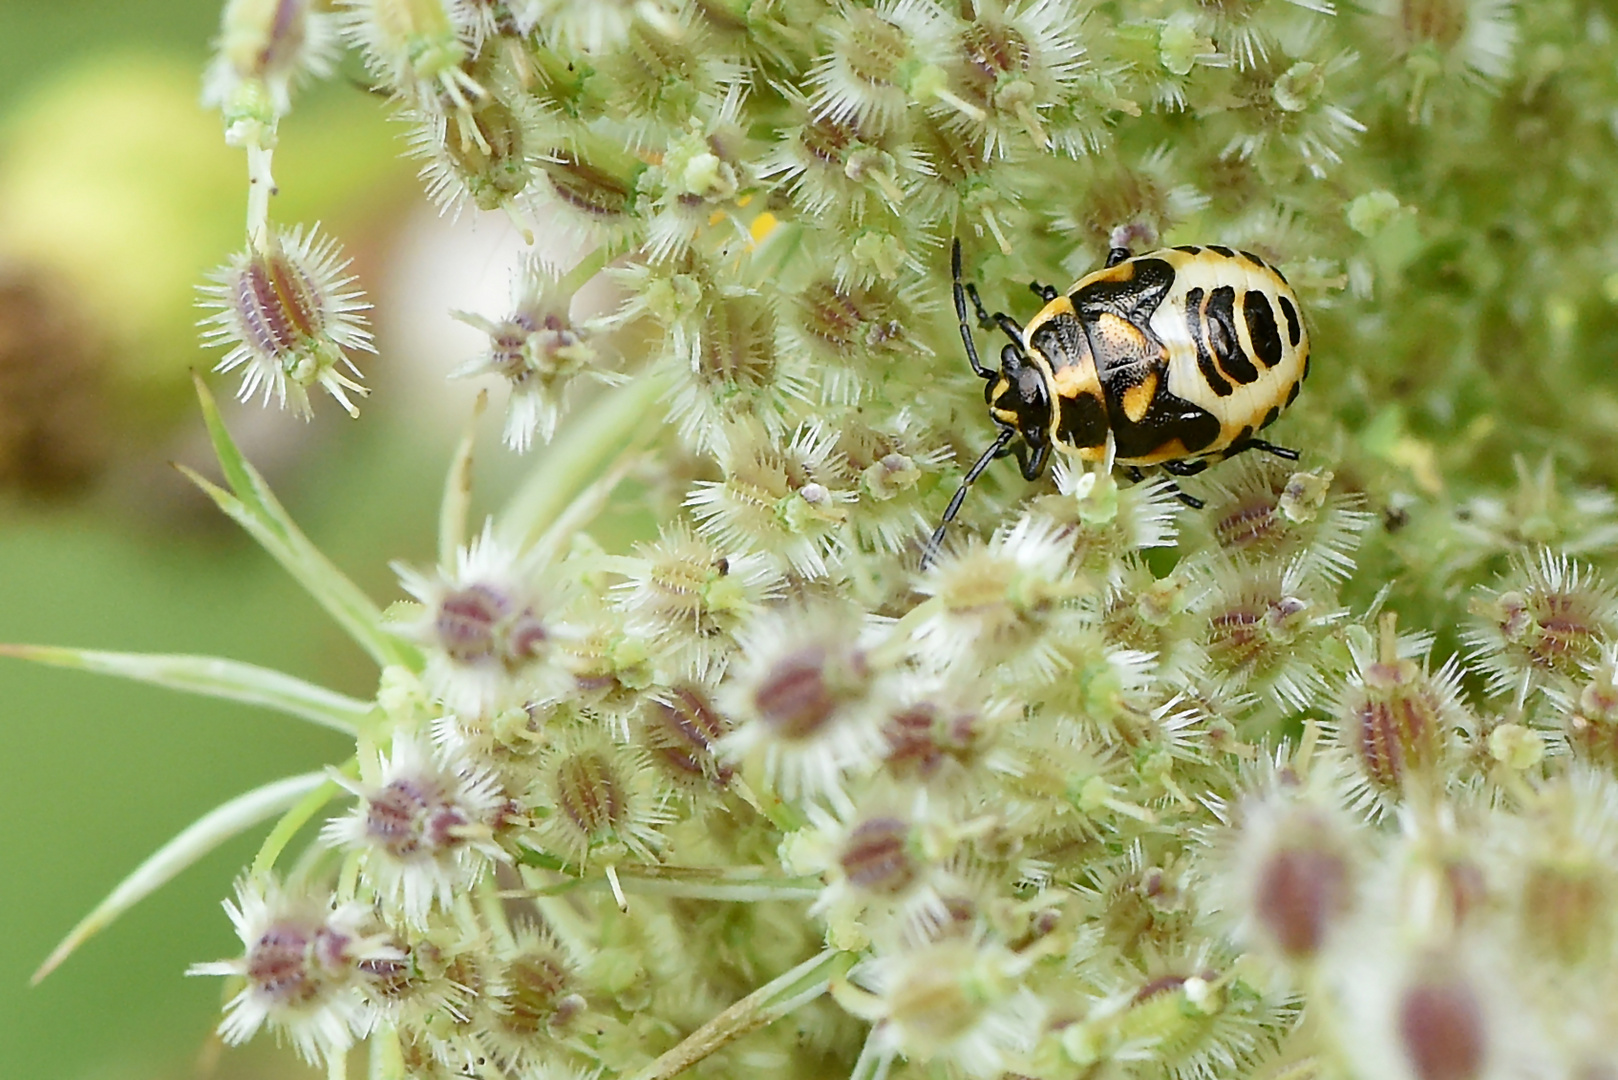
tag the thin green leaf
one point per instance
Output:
(458, 490)
(213, 677)
(253, 506)
(193, 842)
(768, 1003)
(298, 815)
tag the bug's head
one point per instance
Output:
(1017, 396)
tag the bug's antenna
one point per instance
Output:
(996, 449)
(960, 313)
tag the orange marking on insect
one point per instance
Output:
(1138, 398)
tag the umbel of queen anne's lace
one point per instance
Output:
(690, 763)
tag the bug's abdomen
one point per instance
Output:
(1235, 343)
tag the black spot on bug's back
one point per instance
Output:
(1292, 395)
(1222, 339)
(1254, 259)
(1305, 374)
(1134, 300)
(1081, 421)
(1276, 270)
(1189, 249)
(1205, 364)
(1061, 341)
(1218, 249)
(1294, 328)
(1261, 328)
(1269, 417)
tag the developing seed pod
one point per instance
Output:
(1562, 862)
(1003, 604)
(680, 729)
(663, 74)
(1295, 121)
(533, 1002)
(1265, 507)
(837, 168)
(417, 49)
(587, 188)
(1397, 723)
(267, 47)
(1589, 717)
(688, 597)
(289, 319)
(957, 1004)
(790, 502)
(1263, 632)
(721, 345)
(1449, 48)
(855, 334)
(1009, 65)
(1543, 628)
(865, 76)
(597, 801)
(1431, 1015)
(539, 350)
(885, 866)
(488, 157)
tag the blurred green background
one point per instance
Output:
(116, 196)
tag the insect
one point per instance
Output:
(1177, 357)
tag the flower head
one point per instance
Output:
(289, 319)
(424, 824)
(483, 627)
(539, 350)
(304, 967)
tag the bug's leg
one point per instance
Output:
(1134, 473)
(1270, 448)
(1032, 465)
(997, 449)
(1186, 468)
(1117, 255)
(1006, 323)
(1046, 293)
(960, 313)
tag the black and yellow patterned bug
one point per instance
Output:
(1178, 356)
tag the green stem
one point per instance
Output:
(768, 1003)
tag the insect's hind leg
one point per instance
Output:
(1265, 445)
(1186, 468)
(1046, 293)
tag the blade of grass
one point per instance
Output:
(211, 676)
(191, 844)
(251, 504)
